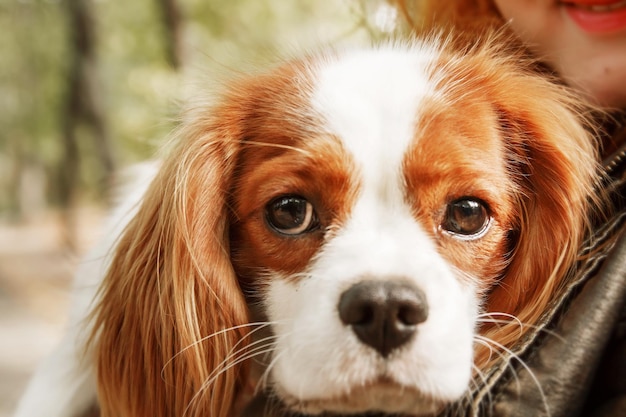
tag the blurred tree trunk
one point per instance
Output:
(172, 24)
(83, 106)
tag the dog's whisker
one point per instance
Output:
(483, 381)
(502, 355)
(258, 326)
(512, 355)
(500, 314)
(227, 364)
(250, 351)
(513, 320)
(265, 376)
(487, 318)
(233, 352)
(487, 345)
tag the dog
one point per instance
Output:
(354, 231)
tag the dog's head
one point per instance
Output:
(365, 212)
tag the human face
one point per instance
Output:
(583, 40)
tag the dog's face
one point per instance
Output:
(369, 238)
(355, 223)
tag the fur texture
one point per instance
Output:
(382, 159)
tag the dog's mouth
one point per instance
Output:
(379, 398)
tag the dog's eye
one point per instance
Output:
(291, 215)
(466, 217)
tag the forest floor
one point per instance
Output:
(36, 270)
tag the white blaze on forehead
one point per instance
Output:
(370, 100)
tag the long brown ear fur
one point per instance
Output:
(554, 160)
(161, 340)
(171, 326)
(552, 155)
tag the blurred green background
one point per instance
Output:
(88, 87)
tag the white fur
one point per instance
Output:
(371, 102)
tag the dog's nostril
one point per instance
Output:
(383, 314)
(412, 313)
(362, 314)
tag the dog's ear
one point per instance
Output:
(552, 156)
(170, 326)
(551, 152)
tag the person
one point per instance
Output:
(574, 363)
(584, 41)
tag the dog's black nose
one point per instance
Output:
(383, 314)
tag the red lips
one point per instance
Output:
(597, 16)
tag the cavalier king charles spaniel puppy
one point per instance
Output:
(349, 231)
